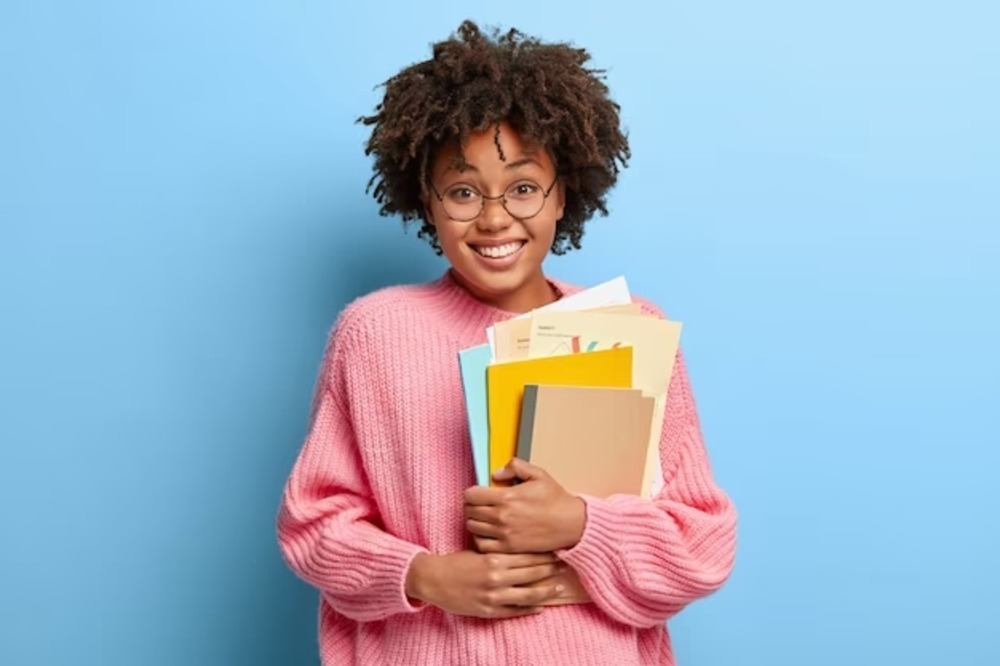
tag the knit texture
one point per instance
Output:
(380, 477)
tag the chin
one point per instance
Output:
(494, 283)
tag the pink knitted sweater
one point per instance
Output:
(380, 479)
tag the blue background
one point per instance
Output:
(813, 192)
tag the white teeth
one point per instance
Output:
(499, 251)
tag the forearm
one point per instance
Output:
(360, 569)
(328, 524)
(642, 562)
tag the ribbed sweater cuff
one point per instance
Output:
(603, 532)
(598, 559)
(369, 583)
(388, 568)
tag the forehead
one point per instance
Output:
(499, 146)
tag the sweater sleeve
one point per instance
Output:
(642, 561)
(329, 529)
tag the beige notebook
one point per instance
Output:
(591, 440)
(655, 342)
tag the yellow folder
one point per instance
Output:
(505, 384)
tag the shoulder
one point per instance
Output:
(382, 306)
(385, 311)
(372, 322)
(648, 306)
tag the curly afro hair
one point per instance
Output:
(475, 81)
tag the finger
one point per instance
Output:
(489, 545)
(524, 470)
(483, 495)
(481, 529)
(518, 560)
(530, 596)
(484, 514)
(504, 474)
(531, 575)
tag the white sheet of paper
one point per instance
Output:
(612, 292)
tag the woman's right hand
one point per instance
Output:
(493, 585)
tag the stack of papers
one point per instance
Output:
(579, 388)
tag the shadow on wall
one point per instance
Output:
(273, 613)
(378, 264)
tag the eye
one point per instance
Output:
(462, 194)
(523, 190)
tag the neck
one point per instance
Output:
(535, 293)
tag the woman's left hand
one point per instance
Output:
(535, 516)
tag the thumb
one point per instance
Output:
(504, 474)
(523, 469)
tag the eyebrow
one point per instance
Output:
(460, 166)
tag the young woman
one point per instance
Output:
(502, 147)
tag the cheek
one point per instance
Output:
(447, 234)
(450, 238)
(543, 230)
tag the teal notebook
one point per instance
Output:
(473, 362)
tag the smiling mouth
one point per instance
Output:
(498, 251)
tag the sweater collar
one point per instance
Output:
(469, 316)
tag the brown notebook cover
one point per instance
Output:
(592, 440)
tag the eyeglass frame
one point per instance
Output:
(501, 197)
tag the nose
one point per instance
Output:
(494, 216)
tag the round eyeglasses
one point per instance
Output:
(522, 200)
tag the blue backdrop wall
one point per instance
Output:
(813, 192)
